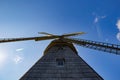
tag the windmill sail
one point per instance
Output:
(4, 40)
(101, 46)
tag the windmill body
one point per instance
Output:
(61, 62)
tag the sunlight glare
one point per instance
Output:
(2, 58)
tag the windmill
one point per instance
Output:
(61, 61)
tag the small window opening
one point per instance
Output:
(60, 61)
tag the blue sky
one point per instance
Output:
(100, 19)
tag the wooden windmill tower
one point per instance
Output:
(61, 61)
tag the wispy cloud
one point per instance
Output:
(20, 49)
(96, 20)
(97, 26)
(118, 26)
(18, 59)
(18, 56)
(102, 17)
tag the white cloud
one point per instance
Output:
(96, 20)
(20, 49)
(18, 59)
(118, 24)
(118, 36)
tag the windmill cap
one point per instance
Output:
(60, 43)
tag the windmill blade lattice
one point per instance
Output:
(101, 46)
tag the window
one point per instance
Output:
(60, 61)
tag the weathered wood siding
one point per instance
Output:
(74, 68)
